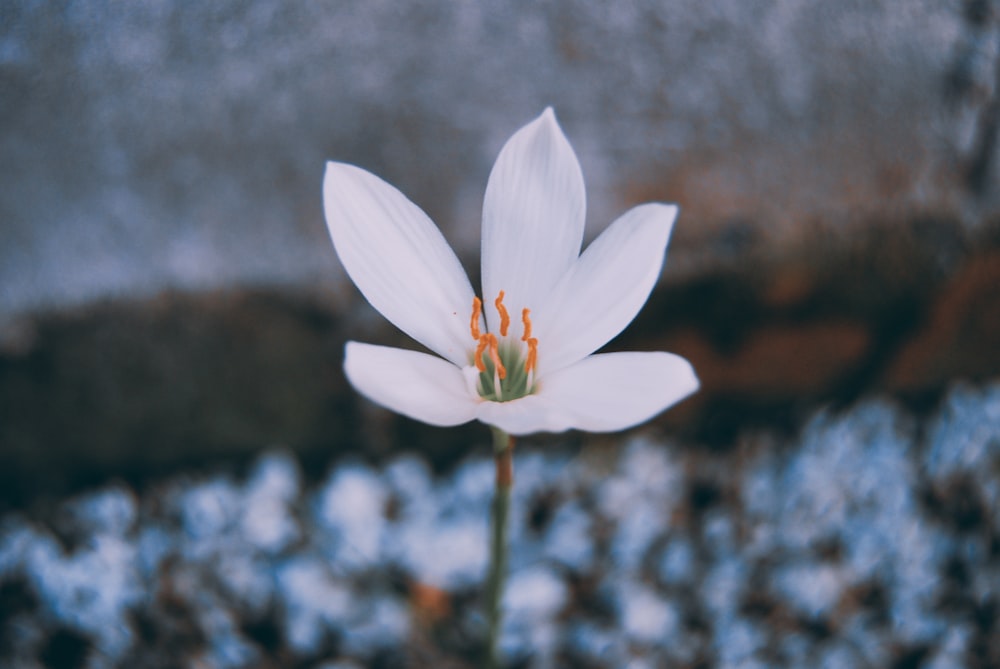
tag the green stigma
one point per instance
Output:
(518, 382)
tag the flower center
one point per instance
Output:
(506, 365)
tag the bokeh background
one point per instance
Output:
(170, 306)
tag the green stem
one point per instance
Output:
(503, 447)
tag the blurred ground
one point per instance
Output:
(869, 540)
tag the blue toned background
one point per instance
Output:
(171, 145)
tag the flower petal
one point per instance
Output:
(527, 415)
(399, 260)
(421, 386)
(533, 216)
(613, 391)
(604, 289)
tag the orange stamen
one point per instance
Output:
(527, 324)
(477, 309)
(495, 356)
(484, 341)
(532, 360)
(504, 316)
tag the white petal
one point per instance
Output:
(613, 391)
(526, 416)
(604, 289)
(399, 260)
(533, 216)
(421, 386)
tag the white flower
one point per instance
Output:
(529, 367)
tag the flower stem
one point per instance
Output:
(503, 449)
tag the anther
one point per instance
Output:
(477, 309)
(501, 371)
(484, 341)
(527, 324)
(504, 316)
(532, 360)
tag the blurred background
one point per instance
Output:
(170, 303)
